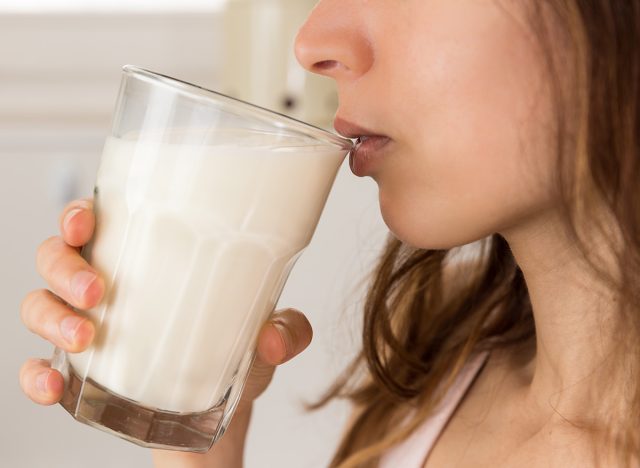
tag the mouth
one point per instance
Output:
(368, 147)
(350, 130)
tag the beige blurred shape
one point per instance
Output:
(260, 65)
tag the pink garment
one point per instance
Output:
(412, 452)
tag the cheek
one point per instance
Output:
(452, 199)
(467, 179)
(479, 160)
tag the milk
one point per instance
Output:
(195, 243)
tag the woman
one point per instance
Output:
(514, 125)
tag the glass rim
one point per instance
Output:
(262, 113)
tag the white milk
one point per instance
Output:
(195, 244)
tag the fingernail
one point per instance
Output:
(69, 326)
(41, 381)
(81, 282)
(286, 337)
(70, 215)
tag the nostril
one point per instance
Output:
(325, 65)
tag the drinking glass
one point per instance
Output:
(203, 204)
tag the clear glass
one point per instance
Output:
(203, 204)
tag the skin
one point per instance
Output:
(460, 88)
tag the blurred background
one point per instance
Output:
(60, 63)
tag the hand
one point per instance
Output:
(73, 282)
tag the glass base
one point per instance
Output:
(92, 404)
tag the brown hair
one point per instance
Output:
(419, 329)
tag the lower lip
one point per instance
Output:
(365, 155)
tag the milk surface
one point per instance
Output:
(195, 243)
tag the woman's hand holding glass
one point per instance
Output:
(74, 283)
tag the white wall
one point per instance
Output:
(58, 78)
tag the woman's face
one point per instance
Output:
(460, 88)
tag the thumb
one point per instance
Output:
(282, 337)
(285, 335)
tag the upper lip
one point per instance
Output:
(351, 130)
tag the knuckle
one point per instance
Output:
(42, 249)
(52, 262)
(262, 371)
(27, 304)
(44, 253)
(34, 308)
(26, 371)
(31, 309)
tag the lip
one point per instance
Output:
(368, 147)
(351, 130)
(366, 154)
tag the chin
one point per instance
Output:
(423, 234)
(426, 240)
(435, 232)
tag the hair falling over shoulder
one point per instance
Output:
(421, 326)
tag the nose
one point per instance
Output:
(332, 42)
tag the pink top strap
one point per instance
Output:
(412, 452)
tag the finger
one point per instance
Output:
(285, 335)
(40, 383)
(68, 274)
(46, 315)
(77, 222)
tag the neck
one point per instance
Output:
(575, 319)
